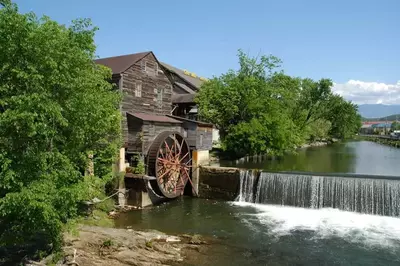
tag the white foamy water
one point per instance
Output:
(370, 230)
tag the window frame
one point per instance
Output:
(138, 89)
(159, 97)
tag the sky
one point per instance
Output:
(356, 43)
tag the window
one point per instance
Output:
(138, 89)
(201, 140)
(149, 67)
(159, 70)
(159, 97)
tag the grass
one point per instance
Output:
(106, 206)
(149, 244)
(98, 218)
(107, 243)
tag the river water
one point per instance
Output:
(360, 157)
(268, 233)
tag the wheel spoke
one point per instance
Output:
(167, 171)
(187, 164)
(168, 150)
(190, 180)
(161, 152)
(174, 139)
(172, 165)
(183, 157)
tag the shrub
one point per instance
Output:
(56, 107)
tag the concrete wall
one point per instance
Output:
(203, 157)
(215, 135)
(219, 183)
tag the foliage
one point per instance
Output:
(395, 126)
(259, 109)
(246, 105)
(318, 129)
(56, 107)
(140, 166)
(107, 243)
(344, 117)
(99, 218)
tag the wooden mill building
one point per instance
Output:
(157, 98)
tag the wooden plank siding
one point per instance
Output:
(204, 138)
(152, 129)
(143, 72)
(191, 134)
(194, 133)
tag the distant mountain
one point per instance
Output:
(378, 110)
(386, 118)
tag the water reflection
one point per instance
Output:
(361, 157)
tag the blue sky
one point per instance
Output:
(355, 43)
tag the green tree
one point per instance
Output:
(395, 126)
(56, 108)
(344, 117)
(249, 107)
(313, 101)
(259, 109)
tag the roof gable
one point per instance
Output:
(119, 64)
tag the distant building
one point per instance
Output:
(376, 127)
(366, 129)
(382, 128)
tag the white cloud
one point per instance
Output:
(361, 92)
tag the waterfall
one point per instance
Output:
(357, 194)
(247, 186)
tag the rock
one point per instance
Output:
(196, 240)
(113, 213)
(195, 248)
(172, 239)
(133, 248)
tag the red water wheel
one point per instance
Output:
(169, 161)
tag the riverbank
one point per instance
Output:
(101, 246)
(377, 139)
(318, 143)
(217, 154)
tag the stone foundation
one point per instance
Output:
(219, 183)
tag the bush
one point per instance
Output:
(56, 107)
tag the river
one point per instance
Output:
(359, 157)
(270, 234)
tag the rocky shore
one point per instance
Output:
(388, 142)
(99, 246)
(318, 143)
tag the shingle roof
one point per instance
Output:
(154, 118)
(192, 121)
(119, 64)
(196, 82)
(184, 87)
(366, 126)
(183, 98)
(382, 125)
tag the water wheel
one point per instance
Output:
(169, 161)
